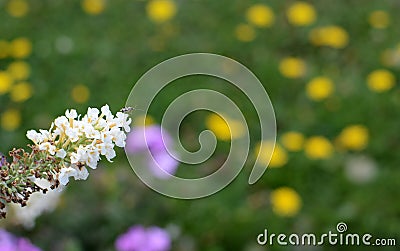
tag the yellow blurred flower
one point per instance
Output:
(21, 92)
(273, 156)
(144, 120)
(279, 157)
(6, 82)
(93, 7)
(333, 36)
(301, 14)
(379, 19)
(17, 8)
(285, 201)
(318, 147)
(161, 10)
(245, 33)
(222, 129)
(80, 94)
(264, 153)
(292, 67)
(260, 15)
(354, 137)
(293, 141)
(19, 70)
(20, 47)
(10, 119)
(4, 49)
(319, 88)
(381, 80)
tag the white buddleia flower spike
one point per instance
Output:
(80, 141)
(73, 144)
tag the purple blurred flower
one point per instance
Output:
(150, 137)
(3, 160)
(9, 242)
(137, 238)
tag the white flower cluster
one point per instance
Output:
(79, 142)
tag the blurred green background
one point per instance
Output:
(331, 69)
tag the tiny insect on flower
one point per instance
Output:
(127, 109)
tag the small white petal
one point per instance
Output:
(46, 146)
(105, 110)
(65, 173)
(82, 174)
(36, 137)
(71, 114)
(61, 153)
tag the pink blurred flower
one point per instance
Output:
(137, 238)
(9, 242)
(155, 140)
